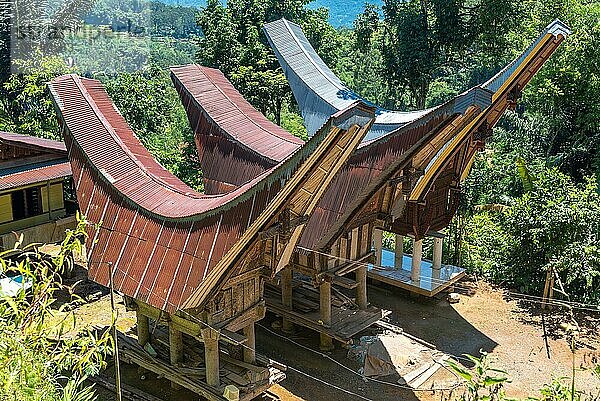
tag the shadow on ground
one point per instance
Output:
(280, 349)
(431, 319)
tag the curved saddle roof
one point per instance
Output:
(221, 101)
(169, 245)
(317, 89)
(319, 92)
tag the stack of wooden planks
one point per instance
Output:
(250, 379)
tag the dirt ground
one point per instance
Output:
(484, 319)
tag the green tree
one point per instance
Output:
(565, 91)
(25, 105)
(152, 108)
(426, 40)
(233, 41)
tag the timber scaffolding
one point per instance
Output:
(404, 178)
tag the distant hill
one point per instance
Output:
(341, 12)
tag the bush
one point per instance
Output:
(37, 361)
(554, 225)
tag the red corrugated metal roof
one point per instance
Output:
(163, 239)
(120, 157)
(33, 142)
(233, 114)
(43, 173)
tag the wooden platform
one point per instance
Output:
(346, 319)
(250, 379)
(430, 283)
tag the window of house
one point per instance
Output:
(27, 203)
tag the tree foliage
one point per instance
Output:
(233, 41)
(25, 104)
(152, 107)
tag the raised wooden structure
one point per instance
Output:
(195, 262)
(404, 178)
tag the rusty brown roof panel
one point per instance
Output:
(236, 117)
(35, 173)
(33, 142)
(236, 143)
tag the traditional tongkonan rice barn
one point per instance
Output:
(196, 261)
(277, 212)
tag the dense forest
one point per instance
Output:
(532, 200)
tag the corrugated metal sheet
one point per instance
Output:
(235, 142)
(318, 91)
(33, 142)
(163, 238)
(35, 173)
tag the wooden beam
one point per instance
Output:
(325, 310)
(211, 356)
(143, 328)
(361, 289)
(377, 245)
(250, 315)
(250, 348)
(286, 297)
(189, 327)
(399, 252)
(175, 349)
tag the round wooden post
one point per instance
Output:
(175, 349)
(361, 289)
(415, 271)
(399, 252)
(286, 297)
(143, 328)
(211, 356)
(249, 349)
(325, 308)
(437, 253)
(378, 245)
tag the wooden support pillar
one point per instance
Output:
(437, 253)
(325, 307)
(250, 346)
(211, 356)
(399, 252)
(361, 289)
(286, 297)
(378, 245)
(548, 289)
(361, 272)
(143, 328)
(415, 271)
(175, 349)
